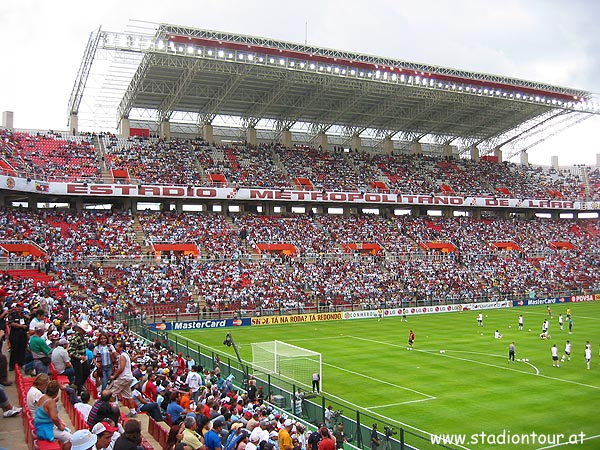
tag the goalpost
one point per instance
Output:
(294, 364)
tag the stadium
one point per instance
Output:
(322, 198)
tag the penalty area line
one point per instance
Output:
(401, 403)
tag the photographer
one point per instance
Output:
(340, 436)
(329, 416)
(375, 442)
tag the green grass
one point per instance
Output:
(468, 389)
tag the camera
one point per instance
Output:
(389, 431)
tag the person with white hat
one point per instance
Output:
(77, 350)
(104, 432)
(83, 440)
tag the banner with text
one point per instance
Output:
(285, 195)
(296, 318)
(199, 324)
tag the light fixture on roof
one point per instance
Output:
(292, 63)
(282, 62)
(352, 72)
(250, 57)
(221, 54)
(240, 56)
(312, 66)
(190, 49)
(329, 69)
(230, 55)
(260, 59)
(402, 78)
(302, 65)
(343, 71)
(377, 74)
(271, 60)
(160, 44)
(336, 70)
(209, 52)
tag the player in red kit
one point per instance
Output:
(411, 339)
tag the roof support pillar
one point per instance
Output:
(525, 158)
(474, 153)
(8, 119)
(498, 154)
(73, 124)
(207, 133)
(322, 140)
(356, 143)
(124, 127)
(286, 138)
(554, 162)
(165, 129)
(251, 135)
(447, 151)
(416, 149)
(388, 146)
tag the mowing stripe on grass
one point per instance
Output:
(556, 317)
(429, 352)
(379, 380)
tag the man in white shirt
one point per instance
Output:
(83, 406)
(193, 381)
(62, 361)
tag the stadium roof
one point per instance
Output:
(193, 76)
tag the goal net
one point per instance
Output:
(290, 362)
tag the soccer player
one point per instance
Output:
(568, 313)
(411, 339)
(511, 352)
(555, 362)
(567, 351)
(497, 335)
(570, 324)
(380, 314)
(549, 311)
(480, 320)
(521, 322)
(588, 355)
(560, 321)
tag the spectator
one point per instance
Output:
(48, 425)
(62, 361)
(7, 407)
(84, 406)
(103, 408)
(104, 433)
(123, 377)
(36, 391)
(131, 437)
(190, 436)
(104, 358)
(175, 436)
(212, 439)
(77, 351)
(84, 440)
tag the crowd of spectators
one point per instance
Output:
(52, 157)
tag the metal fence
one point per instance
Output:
(309, 408)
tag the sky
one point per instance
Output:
(548, 41)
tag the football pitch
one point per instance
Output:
(458, 379)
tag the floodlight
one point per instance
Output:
(190, 49)
(209, 52)
(402, 78)
(394, 77)
(292, 63)
(518, 95)
(537, 98)
(361, 74)
(230, 55)
(241, 56)
(302, 65)
(260, 59)
(336, 70)
(485, 91)
(352, 72)
(281, 62)
(172, 45)
(250, 57)
(321, 68)
(180, 48)
(160, 44)
(329, 69)
(221, 54)
(343, 71)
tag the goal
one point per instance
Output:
(290, 362)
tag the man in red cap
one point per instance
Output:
(104, 431)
